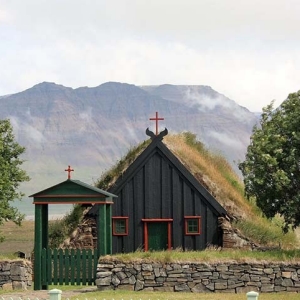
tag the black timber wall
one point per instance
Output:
(158, 190)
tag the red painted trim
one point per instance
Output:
(126, 226)
(186, 218)
(75, 202)
(70, 196)
(146, 237)
(157, 220)
(169, 236)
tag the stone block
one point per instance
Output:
(210, 286)
(148, 289)
(246, 289)
(104, 266)
(103, 281)
(139, 285)
(132, 279)
(279, 288)
(147, 267)
(268, 271)
(103, 274)
(121, 275)
(222, 268)
(245, 277)
(126, 287)
(200, 288)
(137, 267)
(104, 287)
(116, 270)
(286, 274)
(182, 288)
(267, 288)
(287, 282)
(7, 286)
(163, 289)
(115, 280)
(202, 274)
(177, 271)
(19, 285)
(220, 285)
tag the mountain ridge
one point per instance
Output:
(90, 128)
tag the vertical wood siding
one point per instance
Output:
(158, 190)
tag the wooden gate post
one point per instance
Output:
(109, 229)
(101, 230)
(40, 242)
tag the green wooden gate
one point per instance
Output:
(69, 267)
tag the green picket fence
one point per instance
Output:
(69, 266)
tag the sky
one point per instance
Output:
(247, 50)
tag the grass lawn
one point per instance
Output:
(17, 238)
(127, 295)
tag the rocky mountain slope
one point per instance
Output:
(92, 128)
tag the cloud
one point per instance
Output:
(247, 51)
(86, 115)
(224, 138)
(25, 130)
(5, 16)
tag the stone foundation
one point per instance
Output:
(15, 274)
(198, 277)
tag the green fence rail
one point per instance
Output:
(69, 266)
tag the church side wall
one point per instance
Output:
(199, 277)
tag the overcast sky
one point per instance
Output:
(246, 50)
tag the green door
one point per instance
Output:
(157, 235)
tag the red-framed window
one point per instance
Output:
(120, 225)
(192, 225)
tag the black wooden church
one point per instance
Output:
(160, 205)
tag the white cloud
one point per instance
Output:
(227, 140)
(246, 50)
(26, 130)
(86, 115)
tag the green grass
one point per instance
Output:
(126, 295)
(17, 238)
(142, 295)
(210, 256)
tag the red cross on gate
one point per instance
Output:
(69, 170)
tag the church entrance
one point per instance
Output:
(157, 234)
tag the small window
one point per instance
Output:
(120, 225)
(192, 225)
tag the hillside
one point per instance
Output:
(91, 128)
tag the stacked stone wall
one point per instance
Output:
(198, 277)
(15, 274)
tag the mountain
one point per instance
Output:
(92, 128)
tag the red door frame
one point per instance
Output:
(146, 241)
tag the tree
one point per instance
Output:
(271, 169)
(11, 175)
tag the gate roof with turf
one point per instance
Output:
(72, 191)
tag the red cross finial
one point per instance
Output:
(156, 119)
(69, 170)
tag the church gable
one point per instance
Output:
(158, 195)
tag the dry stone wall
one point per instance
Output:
(198, 278)
(16, 274)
